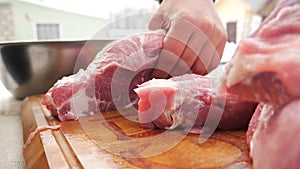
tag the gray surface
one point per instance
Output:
(11, 132)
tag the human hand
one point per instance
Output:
(195, 37)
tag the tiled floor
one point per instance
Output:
(11, 133)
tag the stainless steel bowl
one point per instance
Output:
(28, 68)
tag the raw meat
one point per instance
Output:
(117, 69)
(254, 123)
(265, 66)
(186, 100)
(265, 69)
(275, 140)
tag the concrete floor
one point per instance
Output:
(11, 132)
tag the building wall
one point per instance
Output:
(7, 32)
(72, 26)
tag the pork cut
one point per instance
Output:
(118, 68)
(187, 100)
(265, 66)
(273, 136)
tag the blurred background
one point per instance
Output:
(22, 20)
(65, 19)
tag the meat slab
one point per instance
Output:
(265, 66)
(108, 82)
(118, 68)
(274, 137)
(187, 100)
(265, 69)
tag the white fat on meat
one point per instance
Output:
(273, 48)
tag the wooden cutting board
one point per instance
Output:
(110, 140)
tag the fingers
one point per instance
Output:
(174, 45)
(205, 57)
(217, 56)
(211, 53)
(190, 54)
(164, 64)
(214, 62)
(156, 21)
(198, 54)
(184, 64)
(187, 47)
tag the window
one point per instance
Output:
(47, 31)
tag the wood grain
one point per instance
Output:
(110, 140)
